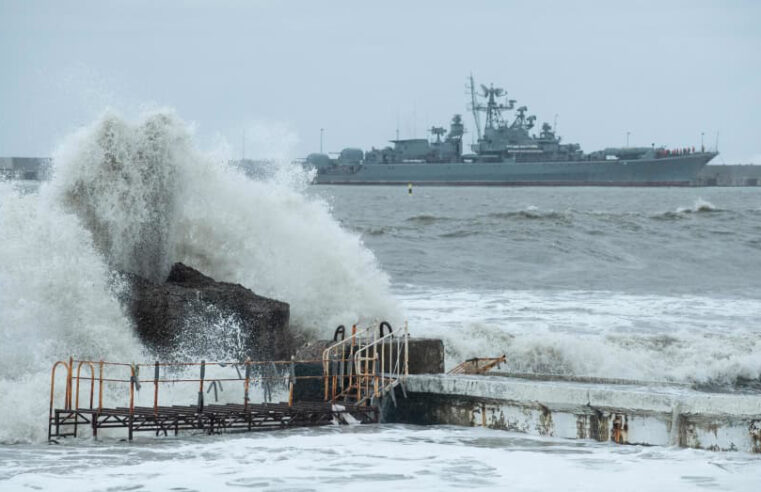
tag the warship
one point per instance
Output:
(507, 153)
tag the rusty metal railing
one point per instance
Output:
(368, 364)
(71, 396)
(378, 373)
(337, 367)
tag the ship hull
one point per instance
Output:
(667, 171)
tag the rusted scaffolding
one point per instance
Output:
(209, 418)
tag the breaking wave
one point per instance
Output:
(596, 334)
(699, 207)
(137, 197)
(150, 198)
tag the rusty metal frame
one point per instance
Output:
(63, 422)
(478, 365)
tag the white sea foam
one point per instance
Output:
(138, 196)
(599, 334)
(699, 206)
(150, 198)
(375, 458)
(54, 302)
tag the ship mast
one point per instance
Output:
(493, 108)
(474, 106)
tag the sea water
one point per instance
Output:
(642, 283)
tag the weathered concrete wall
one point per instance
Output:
(626, 414)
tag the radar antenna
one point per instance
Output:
(523, 121)
(438, 131)
(492, 108)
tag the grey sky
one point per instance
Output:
(663, 70)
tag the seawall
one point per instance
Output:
(630, 413)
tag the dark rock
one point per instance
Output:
(192, 315)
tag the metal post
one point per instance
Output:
(375, 370)
(326, 373)
(131, 418)
(69, 377)
(292, 378)
(247, 383)
(406, 350)
(132, 388)
(100, 387)
(156, 389)
(200, 386)
(52, 396)
(322, 130)
(383, 361)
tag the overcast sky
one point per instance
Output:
(279, 71)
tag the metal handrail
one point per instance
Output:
(72, 393)
(372, 369)
(330, 354)
(374, 359)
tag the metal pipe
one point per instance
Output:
(52, 393)
(406, 350)
(156, 389)
(133, 377)
(290, 384)
(92, 383)
(200, 386)
(247, 383)
(70, 372)
(100, 386)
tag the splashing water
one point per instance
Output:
(150, 198)
(54, 301)
(138, 197)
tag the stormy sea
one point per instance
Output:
(653, 284)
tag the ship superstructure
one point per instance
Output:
(506, 153)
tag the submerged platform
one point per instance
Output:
(622, 412)
(212, 419)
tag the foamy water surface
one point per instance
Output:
(653, 284)
(373, 458)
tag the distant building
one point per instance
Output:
(32, 168)
(730, 175)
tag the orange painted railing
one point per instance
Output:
(71, 397)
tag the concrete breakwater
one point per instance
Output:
(632, 413)
(619, 411)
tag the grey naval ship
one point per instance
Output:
(507, 154)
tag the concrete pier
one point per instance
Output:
(629, 413)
